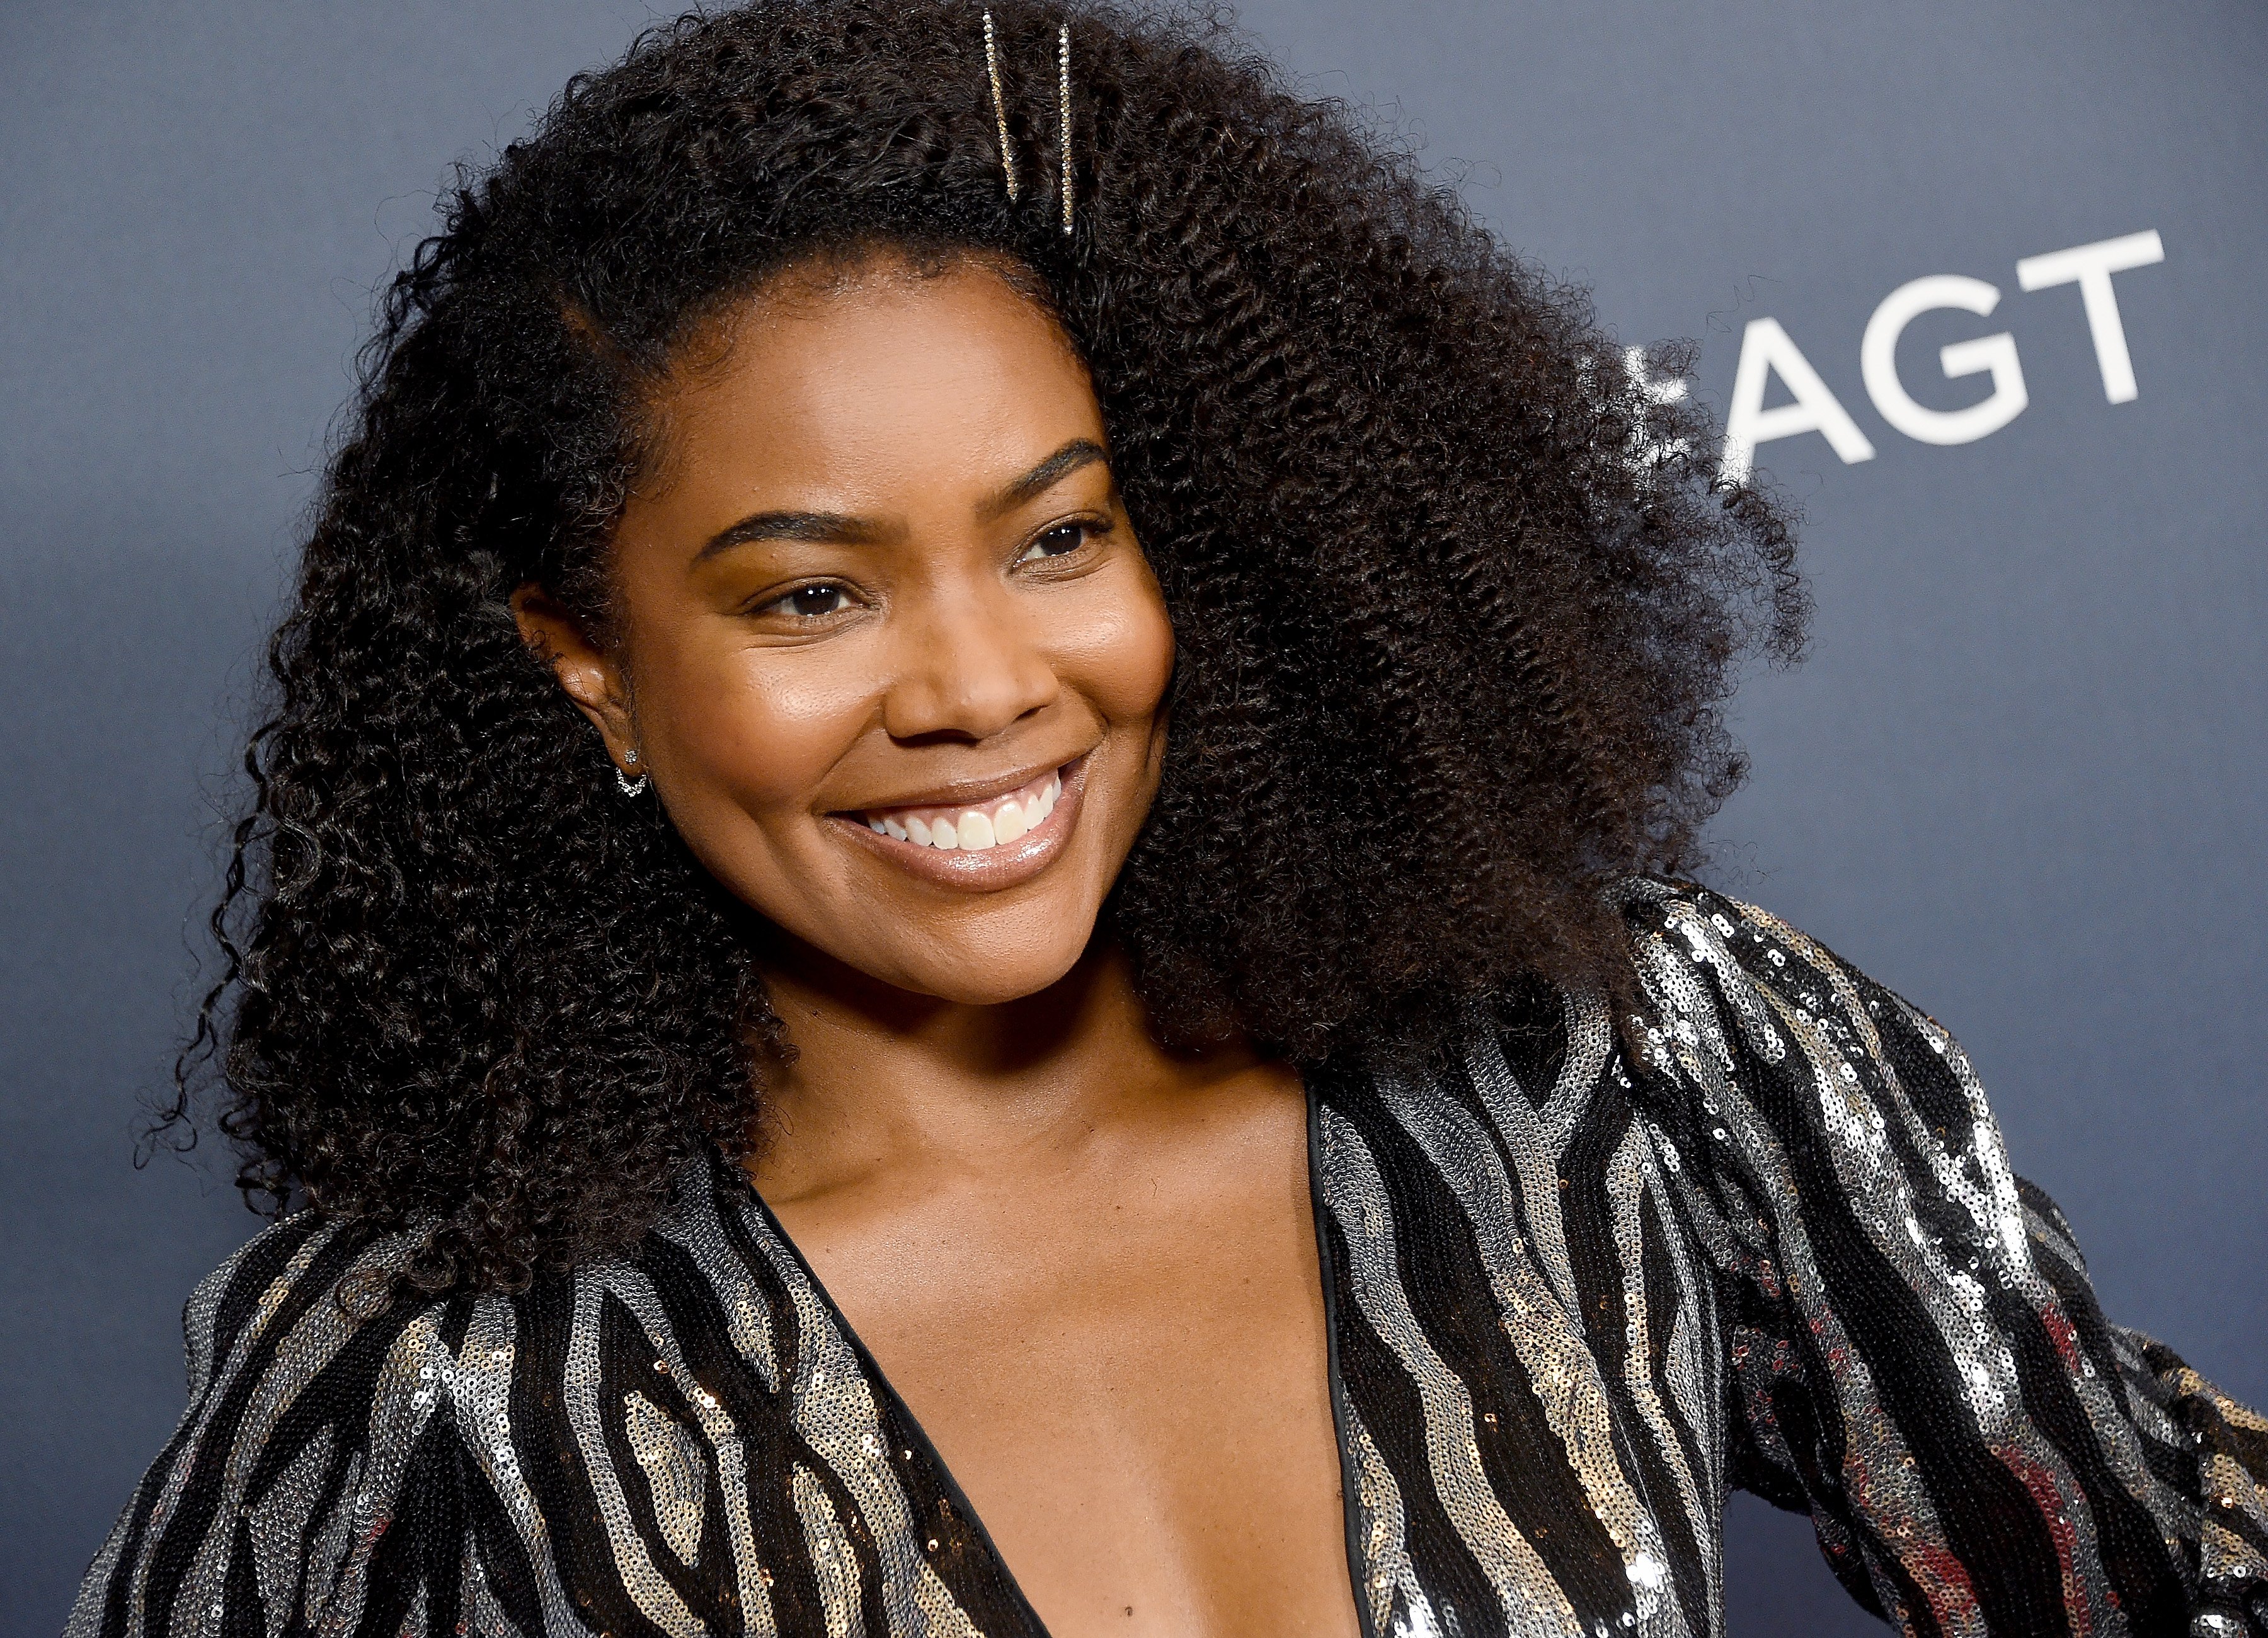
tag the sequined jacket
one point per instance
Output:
(1574, 1295)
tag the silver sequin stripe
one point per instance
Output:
(1839, 1031)
(1689, 1044)
(1546, 1335)
(1531, 1603)
(1633, 1183)
(1816, 999)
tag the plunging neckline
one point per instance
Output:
(886, 1390)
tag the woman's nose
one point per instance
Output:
(973, 664)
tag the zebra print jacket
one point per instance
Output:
(1573, 1297)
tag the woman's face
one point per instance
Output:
(887, 643)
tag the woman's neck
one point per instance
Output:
(887, 1082)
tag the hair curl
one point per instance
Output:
(1457, 605)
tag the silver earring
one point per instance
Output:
(630, 786)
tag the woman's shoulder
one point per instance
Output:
(660, 1437)
(1717, 971)
(1706, 922)
(313, 1303)
(287, 1344)
(332, 1403)
(267, 1312)
(1742, 1010)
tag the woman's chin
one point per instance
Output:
(974, 981)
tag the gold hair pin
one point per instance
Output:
(999, 107)
(1062, 113)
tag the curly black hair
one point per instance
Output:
(1457, 604)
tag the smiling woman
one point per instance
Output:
(887, 597)
(958, 919)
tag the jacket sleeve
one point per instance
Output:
(311, 1487)
(1915, 1354)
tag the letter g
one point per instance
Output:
(1995, 355)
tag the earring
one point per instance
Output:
(630, 786)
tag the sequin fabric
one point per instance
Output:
(1573, 1299)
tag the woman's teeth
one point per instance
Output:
(995, 824)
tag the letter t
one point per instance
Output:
(2091, 268)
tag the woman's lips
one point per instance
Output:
(973, 828)
(1039, 817)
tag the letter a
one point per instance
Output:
(1766, 348)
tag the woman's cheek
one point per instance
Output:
(761, 730)
(1126, 651)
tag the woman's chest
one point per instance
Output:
(1477, 1329)
(1130, 1382)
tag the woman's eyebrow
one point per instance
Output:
(1078, 452)
(841, 530)
(833, 527)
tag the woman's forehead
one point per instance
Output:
(883, 309)
(900, 372)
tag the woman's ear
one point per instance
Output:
(591, 674)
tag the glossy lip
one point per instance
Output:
(967, 792)
(992, 868)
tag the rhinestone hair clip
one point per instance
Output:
(1062, 113)
(999, 108)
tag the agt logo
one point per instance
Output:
(1767, 351)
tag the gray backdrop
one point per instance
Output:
(2020, 780)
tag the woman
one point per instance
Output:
(960, 918)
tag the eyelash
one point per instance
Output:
(1082, 530)
(779, 605)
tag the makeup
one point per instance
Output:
(931, 840)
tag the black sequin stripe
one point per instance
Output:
(245, 1277)
(1386, 1399)
(181, 1537)
(1990, 1521)
(1528, 1467)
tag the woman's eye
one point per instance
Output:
(810, 603)
(1065, 537)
